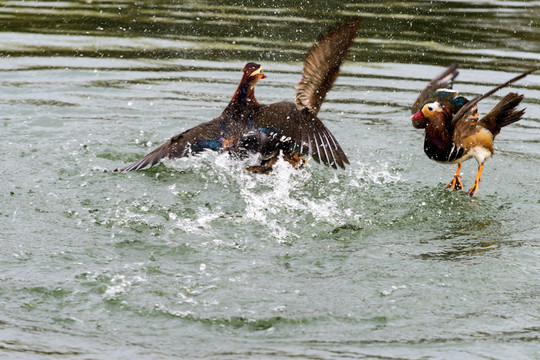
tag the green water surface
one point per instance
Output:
(199, 259)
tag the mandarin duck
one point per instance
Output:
(288, 129)
(453, 131)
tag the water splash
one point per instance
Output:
(281, 200)
(120, 285)
(199, 225)
(365, 176)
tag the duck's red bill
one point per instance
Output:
(419, 121)
(418, 116)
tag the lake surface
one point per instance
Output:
(197, 258)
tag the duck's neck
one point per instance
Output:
(244, 94)
(438, 141)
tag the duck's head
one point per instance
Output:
(245, 93)
(253, 72)
(429, 111)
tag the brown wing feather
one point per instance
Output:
(179, 145)
(442, 81)
(504, 113)
(150, 159)
(474, 101)
(302, 132)
(321, 67)
(466, 126)
(313, 138)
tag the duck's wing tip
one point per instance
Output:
(321, 67)
(314, 139)
(148, 160)
(504, 113)
(465, 109)
(194, 140)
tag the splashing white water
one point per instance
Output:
(119, 285)
(274, 200)
(198, 225)
(369, 175)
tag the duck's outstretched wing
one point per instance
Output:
(298, 131)
(321, 67)
(465, 109)
(207, 135)
(465, 120)
(150, 159)
(313, 138)
(444, 80)
(503, 114)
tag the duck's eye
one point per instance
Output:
(430, 108)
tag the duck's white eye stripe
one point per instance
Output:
(256, 72)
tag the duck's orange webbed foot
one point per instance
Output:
(472, 191)
(456, 183)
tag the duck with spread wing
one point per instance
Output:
(454, 131)
(288, 129)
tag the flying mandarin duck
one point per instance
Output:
(454, 131)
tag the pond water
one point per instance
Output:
(197, 258)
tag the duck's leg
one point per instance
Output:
(474, 189)
(455, 184)
(297, 161)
